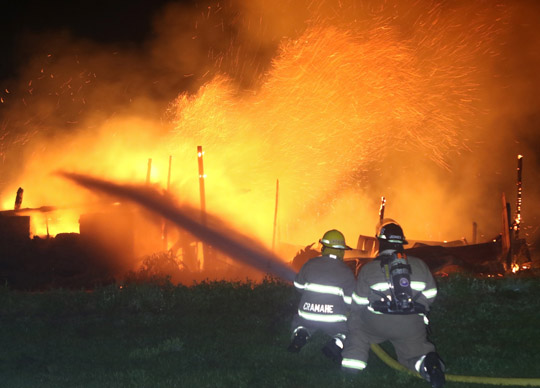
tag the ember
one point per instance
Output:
(337, 101)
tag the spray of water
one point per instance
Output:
(215, 232)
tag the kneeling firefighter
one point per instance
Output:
(390, 303)
(326, 284)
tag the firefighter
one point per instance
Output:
(326, 285)
(390, 303)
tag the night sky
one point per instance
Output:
(120, 21)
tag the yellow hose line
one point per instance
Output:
(461, 379)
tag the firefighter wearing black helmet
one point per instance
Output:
(390, 303)
(326, 285)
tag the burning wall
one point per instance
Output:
(340, 101)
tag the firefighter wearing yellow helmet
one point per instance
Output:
(326, 284)
(390, 303)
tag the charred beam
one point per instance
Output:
(19, 198)
(381, 209)
(517, 219)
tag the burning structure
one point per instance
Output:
(103, 252)
(504, 253)
(335, 99)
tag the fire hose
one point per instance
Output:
(184, 219)
(385, 357)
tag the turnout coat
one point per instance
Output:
(407, 333)
(326, 284)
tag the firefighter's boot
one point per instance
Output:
(299, 339)
(333, 349)
(432, 369)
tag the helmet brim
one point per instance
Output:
(327, 244)
(402, 242)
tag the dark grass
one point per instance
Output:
(221, 334)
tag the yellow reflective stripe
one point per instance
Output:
(322, 317)
(380, 286)
(333, 244)
(359, 299)
(353, 364)
(418, 286)
(431, 293)
(323, 289)
(298, 285)
(373, 311)
(418, 363)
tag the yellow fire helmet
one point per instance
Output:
(334, 239)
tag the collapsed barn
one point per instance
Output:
(103, 252)
(118, 241)
(67, 260)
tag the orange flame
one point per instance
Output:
(344, 97)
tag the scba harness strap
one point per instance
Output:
(397, 272)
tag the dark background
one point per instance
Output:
(117, 21)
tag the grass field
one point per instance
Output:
(220, 334)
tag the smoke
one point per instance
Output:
(425, 102)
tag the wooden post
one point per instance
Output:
(517, 220)
(381, 209)
(19, 198)
(202, 176)
(275, 215)
(148, 171)
(165, 226)
(506, 238)
(169, 174)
